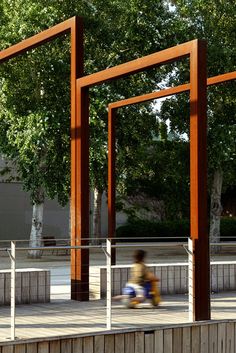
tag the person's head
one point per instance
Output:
(139, 255)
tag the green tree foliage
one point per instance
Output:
(34, 116)
(165, 175)
(213, 21)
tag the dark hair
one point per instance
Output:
(139, 255)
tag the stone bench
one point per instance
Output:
(32, 286)
(173, 277)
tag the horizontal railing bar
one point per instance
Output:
(91, 239)
(103, 238)
(125, 245)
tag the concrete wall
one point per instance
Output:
(16, 213)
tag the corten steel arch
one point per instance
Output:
(196, 50)
(73, 26)
(112, 109)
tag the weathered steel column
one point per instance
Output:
(112, 179)
(198, 182)
(79, 171)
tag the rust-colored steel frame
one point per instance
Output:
(112, 111)
(73, 26)
(196, 50)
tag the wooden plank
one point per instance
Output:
(177, 280)
(230, 337)
(7, 288)
(33, 287)
(214, 278)
(77, 345)
(186, 339)
(177, 340)
(164, 284)
(54, 347)
(170, 279)
(149, 343)
(159, 341)
(232, 276)
(195, 339)
(43, 347)
(41, 287)
(220, 278)
(47, 286)
(99, 344)
(18, 288)
(116, 281)
(213, 338)
(87, 345)
(66, 346)
(168, 338)
(204, 334)
(222, 337)
(103, 281)
(184, 279)
(8, 349)
(226, 277)
(20, 348)
(25, 294)
(109, 343)
(139, 342)
(120, 343)
(32, 347)
(129, 342)
(2, 281)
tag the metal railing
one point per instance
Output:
(106, 248)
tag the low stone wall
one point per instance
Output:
(32, 286)
(173, 277)
(203, 337)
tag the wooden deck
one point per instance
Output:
(62, 317)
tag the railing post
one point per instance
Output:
(190, 279)
(108, 258)
(13, 289)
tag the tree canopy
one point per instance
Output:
(35, 87)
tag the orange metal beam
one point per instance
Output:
(37, 40)
(150, 96)
(170, 91)
(229, 76)
(74, 26)
(141, 64)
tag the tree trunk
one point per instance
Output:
(36, 228)
(97, 206)
(216, 209)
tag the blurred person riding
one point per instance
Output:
(142, 284)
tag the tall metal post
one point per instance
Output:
(79, 171)
(13, 288)
(108, 258)
(111, 179)
(190, 280)
(198, 183)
